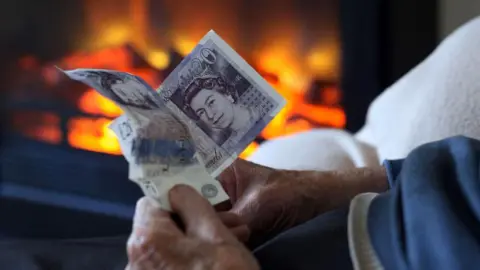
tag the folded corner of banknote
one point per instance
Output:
(195, 125)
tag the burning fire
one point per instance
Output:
(45, 127)
(290, 74)
(93, 135)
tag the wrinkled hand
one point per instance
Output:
(157, 242)
(268, 200)
(271, 201)
(235, 224)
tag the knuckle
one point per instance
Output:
(229, 218)
(138, 245)
(143, 203)
(140, 242)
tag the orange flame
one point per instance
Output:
(251, 148)
(93, 135)
(275, 51)
(94, 103)
(45, 127)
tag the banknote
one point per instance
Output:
(131, 93)
(157, 146)
(195, 125)
(221, 99)
(157, 164)
(125, 132)
(125, 89)
(156, 185)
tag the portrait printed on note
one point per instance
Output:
(222, 102)
(120, 87)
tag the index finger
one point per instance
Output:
(198, 216)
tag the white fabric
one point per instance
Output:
(362, 254)
(321, 149)
(438, 98)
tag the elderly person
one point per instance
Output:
(427, 216)
(420, 210)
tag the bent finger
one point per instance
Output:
(230, 219)
(242, 233)
(223, 206)
(233, 176)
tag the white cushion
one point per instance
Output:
(320, 149)
(438, 98)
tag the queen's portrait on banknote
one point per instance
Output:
(202, 116)
(128, 90)
(213, 104)
(220, 99)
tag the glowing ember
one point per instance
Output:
(45, 127)
(93, 135)
(296, 106)
(93, 103)
(183, 45)
(249, 150)
(275, 50)
(298, 125)
(158, 59)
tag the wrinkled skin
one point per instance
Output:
(158, 243)
(271, 201)
(268, 200)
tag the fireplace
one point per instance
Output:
(317, 54)
(148, 38)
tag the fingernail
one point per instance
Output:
(178, 194)
(143, 213)
(179, 188)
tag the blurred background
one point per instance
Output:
(328, 58)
